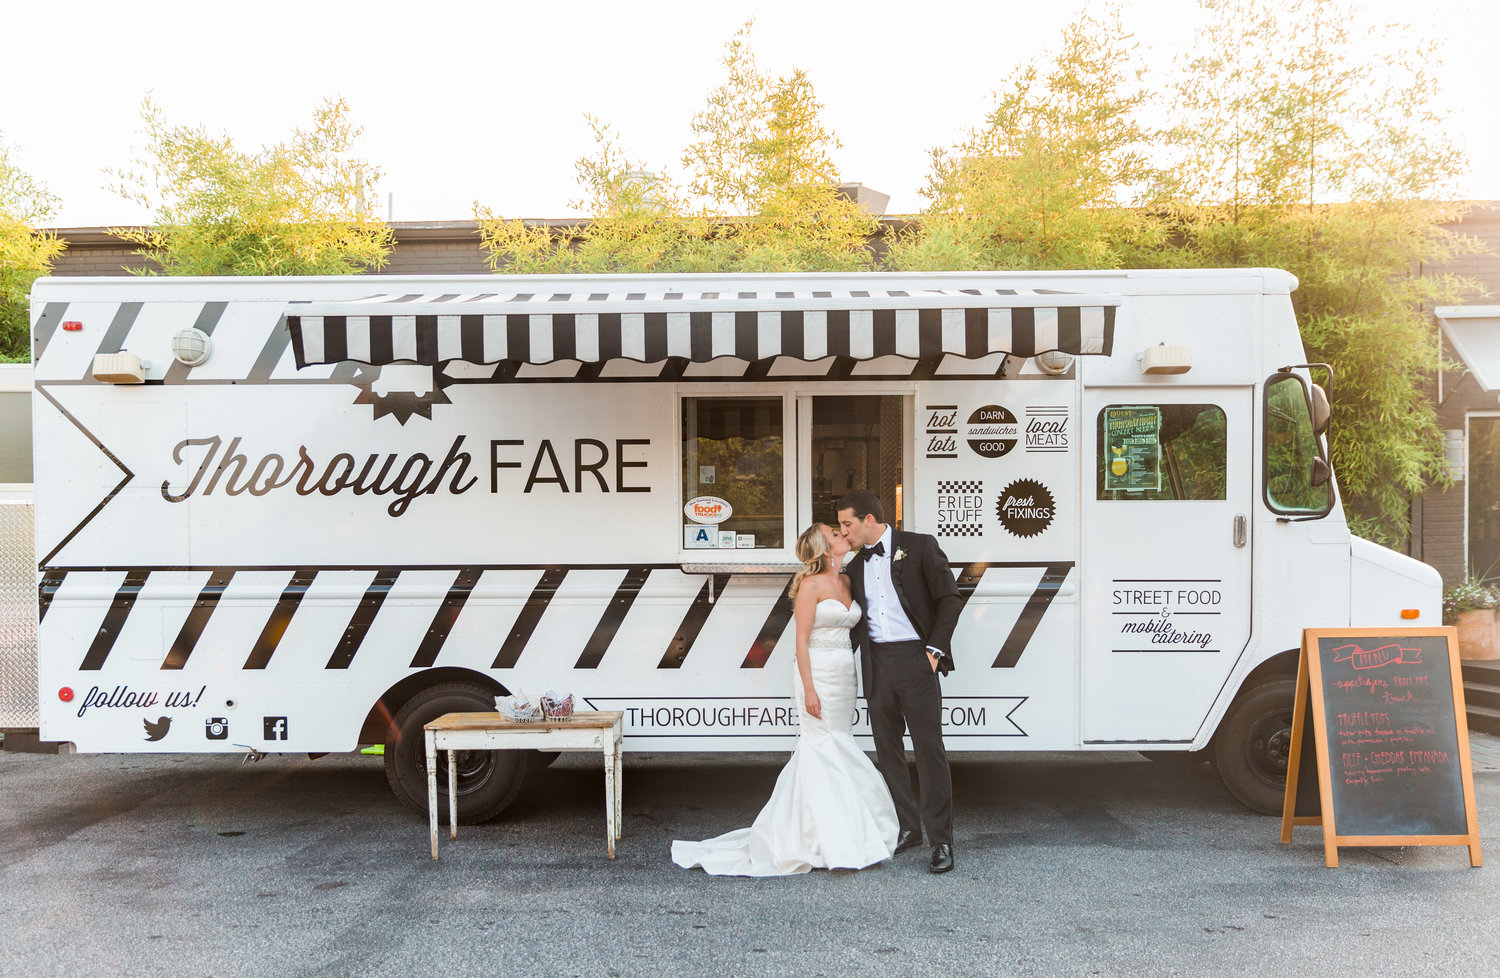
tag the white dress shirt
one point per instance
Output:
(887, 619)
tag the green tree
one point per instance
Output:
(1055, 175)
(762, 193)
(301, 207)
(1298, 149)
(25, 253)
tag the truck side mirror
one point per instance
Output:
(1321, 412)
(1321, 473)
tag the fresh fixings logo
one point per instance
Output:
(1026, 508)
(992, 431)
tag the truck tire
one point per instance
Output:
(1253, 745)
(488, 780)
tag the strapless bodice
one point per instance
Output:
(831, 624)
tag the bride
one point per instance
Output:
(830, 808)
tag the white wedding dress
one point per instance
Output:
(830, 808)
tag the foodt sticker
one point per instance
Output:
(708, 509)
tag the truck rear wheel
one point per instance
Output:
(1253, 745)
(488, 780)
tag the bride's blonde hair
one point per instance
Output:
(812, 550)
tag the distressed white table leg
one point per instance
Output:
(619, 789)
(432, 790)
(452, 797)
(609, 799)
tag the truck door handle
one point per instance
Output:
(1239, 529)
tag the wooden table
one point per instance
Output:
(594, 731)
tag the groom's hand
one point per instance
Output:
(933, 661)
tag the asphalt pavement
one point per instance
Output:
(1067, 864)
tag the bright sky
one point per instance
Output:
(484, 101)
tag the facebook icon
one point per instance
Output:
(275, 728)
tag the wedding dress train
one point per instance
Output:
(830, 808)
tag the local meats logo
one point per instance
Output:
(1026, 508)
(1047, 428)
(1375, 658)
(960, 508)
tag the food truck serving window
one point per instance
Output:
(733, 473)
(1161, 451)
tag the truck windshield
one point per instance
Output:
(1291, 451)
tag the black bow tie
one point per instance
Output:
(876, 551)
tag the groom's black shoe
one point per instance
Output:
(942, 858)
(907, 840)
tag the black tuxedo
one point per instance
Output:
(900, 686)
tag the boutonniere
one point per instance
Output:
(900, 553)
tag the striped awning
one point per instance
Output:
(699, 327)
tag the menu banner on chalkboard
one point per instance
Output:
(1132, 445)
(1385, 708)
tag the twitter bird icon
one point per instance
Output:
(158, 729)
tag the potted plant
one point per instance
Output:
(1470, 605)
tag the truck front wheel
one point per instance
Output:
(1253, 745)
(488, 780)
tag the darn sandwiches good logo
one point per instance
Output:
(708, 509)
(992, 431)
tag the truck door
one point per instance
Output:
(1165, 557)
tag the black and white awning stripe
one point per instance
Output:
(699, 327)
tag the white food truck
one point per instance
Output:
(300, 515)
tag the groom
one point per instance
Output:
(911, 604)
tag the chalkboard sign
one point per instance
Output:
(1386, 713)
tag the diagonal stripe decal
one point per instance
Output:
(114, 620)
(281, 617)
(46, 325)
(447, 614)
(1031, 614)
(692, 623)
(771, 632)
(46, 590)
(197, 619)
(614, 614)
(114, 337)
(526, 621)
(364, 616)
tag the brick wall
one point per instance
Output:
(443, 248)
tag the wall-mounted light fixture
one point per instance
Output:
(1453, 453)
(1166, 359)
(120, 368)
(1054, 362)
(191, 346)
